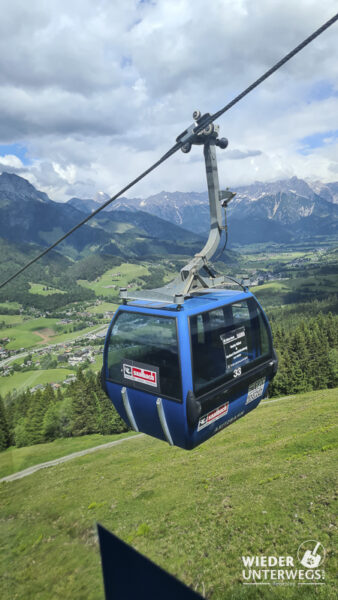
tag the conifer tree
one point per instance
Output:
(65, 416)
(51, 425)
(10, 410)
(299, 354)
(84, 413)
(20, 433)
(323, 362)
(4, 430)
(34, 419)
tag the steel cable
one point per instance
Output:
(178, 145)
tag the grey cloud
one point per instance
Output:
(70, 46)
(60, 113)
(82, 189)
(69, 94)
(225, 47)
(333, 167)
(239, 154)
(11, 169)
(45, 173)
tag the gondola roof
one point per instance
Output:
(195, 304)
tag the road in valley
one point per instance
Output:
(10, 359)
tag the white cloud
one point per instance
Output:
(10, 161)
(98, 91)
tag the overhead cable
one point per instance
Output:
(179, 144)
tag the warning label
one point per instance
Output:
(235, 347)
(255, 390)
(213, 416)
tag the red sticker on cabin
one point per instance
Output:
(140, 375)
(212, 416)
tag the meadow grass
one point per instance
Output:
(28, 379)
(129, 272)
(97, 364)
(101, 308)
(23, 336)
(65, 337)
(20, 381)
(275, 286)
(307, 289)
(10, 319)
(262, 486)
(6, 305)
(38, 288)
(14, 459)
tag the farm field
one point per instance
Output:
(263, 486)
(14, 459)
(128, 271)
(20, 381)
(300, 289)
(101, 308)
(39, 332)
(271, 258)
(43, 290)
(23, 334)
(64, 337)
(6, 305)
(262, 259)
(11, 319)
(273, 286)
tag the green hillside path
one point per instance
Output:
(62, 459)
(263, 486)
(59, 460)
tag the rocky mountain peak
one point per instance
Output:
(12, 185)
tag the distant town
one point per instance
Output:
(82, 351)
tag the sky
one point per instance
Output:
(92, 93)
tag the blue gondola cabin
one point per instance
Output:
(184, 373)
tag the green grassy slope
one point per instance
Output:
(262, 486)
(10, 320)
(129, 272)
(21, 381)
(29, 379)
(23, 335)
(14, 459)
(300, 289)
(38, 288)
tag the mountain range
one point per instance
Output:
(164, 224)
(30, 216)
(280, 211)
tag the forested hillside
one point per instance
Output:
(42, 416)
(308, 355)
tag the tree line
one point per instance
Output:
(35, 417)
(308, 355)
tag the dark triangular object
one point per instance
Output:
(128, 575)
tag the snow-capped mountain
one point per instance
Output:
(275, 211)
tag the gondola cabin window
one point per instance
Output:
(143, 354)
(227, 342)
